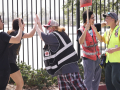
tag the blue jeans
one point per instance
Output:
(112, 76)
(4, 77)
(92, 73)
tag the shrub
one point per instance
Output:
(35, 78)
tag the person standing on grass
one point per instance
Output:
(60, 57)
(5, 39)
(14, 51)
(91, 53)
(112, 40)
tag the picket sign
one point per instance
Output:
(86, 3)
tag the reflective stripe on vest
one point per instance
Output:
(60, 51)
(61, 61)
(90, 53)
(85, 45)
(61, 38)
(51, 67)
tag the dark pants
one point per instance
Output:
(4, 77)
(112, 76)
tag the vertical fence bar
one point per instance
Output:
(117, 7)
(8, 13)
(37, 39)
(68, 17)
(45, 15)
(17, 8)
(104, 20)
(50, 8)
(33, 36)
(101, 28)
(113, 6)
(78, 24)
(41, 40)
(27, 29)
(22, 39)
(63, 15)
(92, 6)
(72, 26)
(3, 13)
(96, 11)
(54, 10)
(59, 10)
(108, 5)
(12, 10)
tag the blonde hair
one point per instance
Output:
(59, 29)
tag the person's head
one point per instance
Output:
(111, 18)
(15, 24)
(53, 26)
(1, 23)
(91, 17)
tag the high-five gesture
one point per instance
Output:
(38, 22)
(20, 24)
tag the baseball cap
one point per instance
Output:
(111, 14)
(51, 23)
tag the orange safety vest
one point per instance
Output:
(90, 46)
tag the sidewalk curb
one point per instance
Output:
(102, 87)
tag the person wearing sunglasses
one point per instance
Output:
(112, 40)
(5, 39)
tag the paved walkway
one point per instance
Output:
(12, 87)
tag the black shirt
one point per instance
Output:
(4, 41)
(14, 49)
(79, 33)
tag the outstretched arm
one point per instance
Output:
(38, 29)
(30, 34)
(38, 22)
(17, 38)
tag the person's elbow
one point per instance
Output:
(80, 41)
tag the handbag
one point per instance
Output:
(103, 60)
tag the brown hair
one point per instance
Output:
(15, 25)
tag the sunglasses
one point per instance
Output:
(48, 27)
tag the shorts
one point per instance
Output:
(13, 68)
(70, 81)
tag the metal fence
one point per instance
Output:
(31, 49)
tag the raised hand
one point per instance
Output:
(35, 24)
(20, 24)
(87, 27)
(94, 28)
(38, 22)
